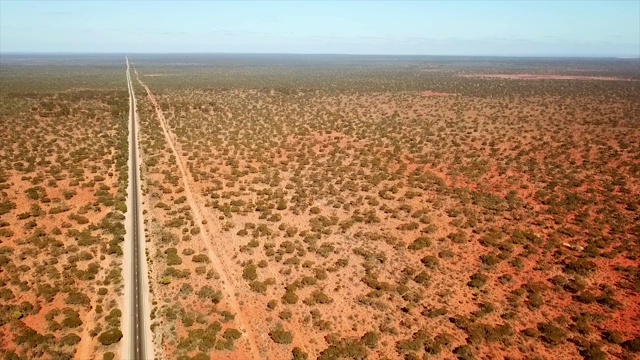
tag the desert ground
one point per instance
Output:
(329, 207)
(63, 176)
(382, 211)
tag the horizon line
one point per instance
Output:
(612, 56)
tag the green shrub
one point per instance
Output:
(420, 243)
(298, 354)
(76, 298)
(231, 334)
(200, 258)
(173, 258)
(258, 286)
(370, 339)
(593, 352)
(581, 267)
(289, 297)
(110, 336)
(250, 272)
(344, 349)
(208, 293)
(613, 336)
(318, 297)
(552, 334)
(72, 321)
(430, 261)
(6, 207)
(478, 280)
(285, 314)
(632, 345)
(463, 352)
(458, 237)
(69, 340)
(535, 300)
(201, 356)
(422, 278)
(280, 336)
(586, 297)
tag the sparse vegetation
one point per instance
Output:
(63, 178)
(372, 218)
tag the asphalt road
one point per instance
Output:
(138, 340)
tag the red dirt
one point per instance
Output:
(429, 93)
(543, 77)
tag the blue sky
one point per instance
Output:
(541, 28)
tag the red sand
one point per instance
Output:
(543, 77)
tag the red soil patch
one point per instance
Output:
(429, 93)
(543, 77)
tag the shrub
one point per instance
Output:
(478, 280)
(490, 259)
(370, 339)
(6, 206)
(458, 237)
(200, 258)
(344, 349)
(593, 352)
(173, 258)
(200, 356)
(69, 340)
(535, 300)
(280, 336)
(110, 336)
(250, 272)
(258, 286)
(76, 298)
(208, 293)
(420, 243)
(318, 297)
(231, 334)
(463, 352)
(298, 354)
(72, 321)
(289, 297)
(552, 334)
(581, 266)
(408, 226)
(586, 297)
(632, 345)
(435, 312)
(430, 261)
(613, 336)
(609, 301)
(285, 314)
(422, 278)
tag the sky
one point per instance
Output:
(494, 28)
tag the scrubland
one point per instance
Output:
(325, 206)
(63, 177)
(350, 208)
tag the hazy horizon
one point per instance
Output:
(549, 56)
(432, 28)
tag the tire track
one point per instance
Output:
(217, 263)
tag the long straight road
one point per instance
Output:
(138, 326)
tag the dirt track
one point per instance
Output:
(218, 263)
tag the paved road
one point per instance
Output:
(138, 336)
